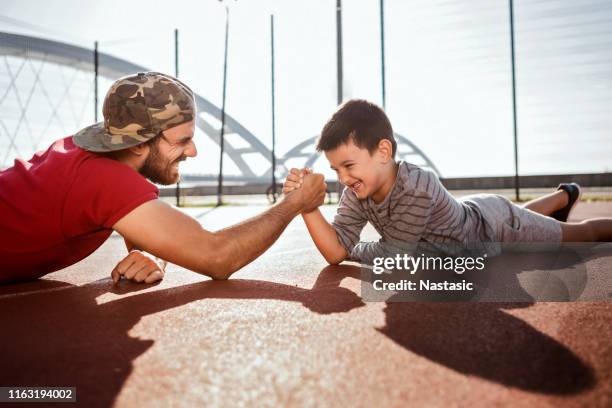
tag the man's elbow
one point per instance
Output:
(222, 271)
(214, 270)
(218, 264)
(220, 275)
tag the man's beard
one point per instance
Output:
(158, 170)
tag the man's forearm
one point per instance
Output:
(244, 242)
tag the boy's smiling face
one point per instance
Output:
(366, 174)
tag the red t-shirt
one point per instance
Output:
(59, 207)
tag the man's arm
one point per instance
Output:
(169, 234)
(129, 245)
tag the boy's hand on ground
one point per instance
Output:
(294, 179)
(139, 267)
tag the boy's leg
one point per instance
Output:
(549, 203)
(592, 230)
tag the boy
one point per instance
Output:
(407, 204)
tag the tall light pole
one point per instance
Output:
(339, 50)
(273, 111)
(339, 72)
(222, 133)
(176, 74)
(382, 51)
(96, 67)
(514, 120)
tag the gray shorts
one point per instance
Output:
(508, 222)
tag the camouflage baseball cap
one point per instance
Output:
(136, 109)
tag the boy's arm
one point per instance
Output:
(324, 237)
(326, 240)
(335, 242)
(321, 231)
(366, 252)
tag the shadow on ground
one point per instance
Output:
(64, 338)
(481, 339)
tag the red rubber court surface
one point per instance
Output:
(289, 331)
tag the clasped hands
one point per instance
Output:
(299, 180)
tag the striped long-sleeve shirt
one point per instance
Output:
(417, 209)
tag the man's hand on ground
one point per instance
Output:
(139, 267)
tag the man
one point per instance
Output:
(61, 205)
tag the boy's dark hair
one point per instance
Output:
(357, 119)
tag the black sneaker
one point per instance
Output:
(573, 190)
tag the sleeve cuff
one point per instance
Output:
(128, 208)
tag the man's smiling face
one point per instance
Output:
(167, 151)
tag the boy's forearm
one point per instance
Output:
(324, 237)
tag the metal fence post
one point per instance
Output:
(514, 120)
(176, 74)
